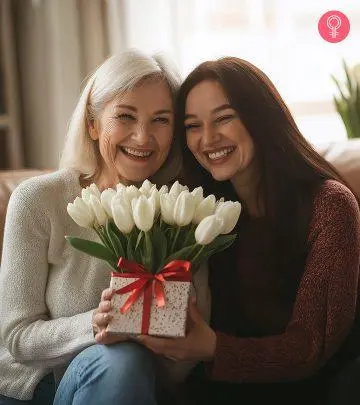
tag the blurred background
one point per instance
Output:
(48, 47)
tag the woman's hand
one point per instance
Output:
(102, 317)
(198, 345)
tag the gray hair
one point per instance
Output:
(116, 75)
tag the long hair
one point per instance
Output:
(291, 170)
(117, 74)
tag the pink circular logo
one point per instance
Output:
(334, 26)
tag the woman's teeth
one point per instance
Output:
(220, 153)
(136, 153)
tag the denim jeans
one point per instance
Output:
(119, 374)
(43, 395)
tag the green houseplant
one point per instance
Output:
(347, 103)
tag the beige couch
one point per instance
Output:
(345, 156)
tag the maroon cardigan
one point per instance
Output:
(261, 338)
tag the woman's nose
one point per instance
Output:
(210, 135)
(141, 134)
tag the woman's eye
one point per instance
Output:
(126, 117)
(191, 127)
(162, 120)
(224, 118)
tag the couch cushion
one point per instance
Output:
(9, 180)
(345, 156)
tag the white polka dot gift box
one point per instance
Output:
(151, 304)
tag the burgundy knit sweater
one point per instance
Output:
(260, 337)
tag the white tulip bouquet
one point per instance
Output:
(154, 236)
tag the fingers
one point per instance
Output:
(101, 319)
(105, 306)
(194, 313)
(107, 294)
(107, 338)
(172, 348)
(101, 316)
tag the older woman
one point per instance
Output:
(121, 130)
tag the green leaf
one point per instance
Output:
(182, 254)
(354, 119)
(139, 238)
(92, 248)
(222, 242)
(219, 244)
(338, 85)
(123, 239)
(188, 236)
(148, 253)
(159, 247)
(130, 252)
(348, 78)
(115, 241)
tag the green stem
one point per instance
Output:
(198, 253)
(190, 233)
(175, 239)
(101, 236)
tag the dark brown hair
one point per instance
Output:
(291, 169)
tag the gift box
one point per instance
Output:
(154, 304)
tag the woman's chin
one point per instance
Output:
(221, 174)
(135, 175)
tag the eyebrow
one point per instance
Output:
(215, 110)
(132, 108)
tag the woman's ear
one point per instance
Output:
(93, 129)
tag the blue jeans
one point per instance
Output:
(43, 395)
(119, 374)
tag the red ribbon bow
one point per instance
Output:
(176, 270)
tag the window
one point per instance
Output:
(279, 36)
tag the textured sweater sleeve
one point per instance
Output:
(25, 328)
(324, 308)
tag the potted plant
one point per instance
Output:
(347, 103)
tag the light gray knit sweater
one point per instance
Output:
(48, 290)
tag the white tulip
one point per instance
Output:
(106, 197)
(120, 187)
(219, 203)
(198, 193)
(177, 188)
(184, 208)
(98, 210)
(121, 213)
(167, 204)
(208, 229)
(146, 188)
(87, 192)
(204, 209)
(155, 200)
(131, 193)
(81, 213)
(229, 211)
(143, 213)
(163, 190)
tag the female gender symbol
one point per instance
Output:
(334, 26)
(333, 22)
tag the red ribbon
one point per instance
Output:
(176, 270)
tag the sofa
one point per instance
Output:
(345, 156)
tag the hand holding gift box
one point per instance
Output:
(155, 241)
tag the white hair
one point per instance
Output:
(116, 75)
